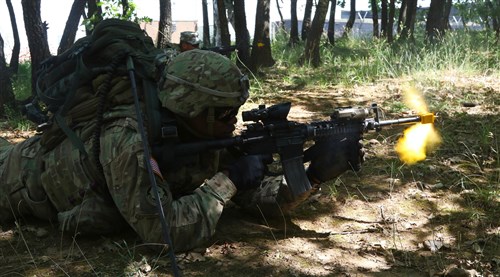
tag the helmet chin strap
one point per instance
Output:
(210, 121)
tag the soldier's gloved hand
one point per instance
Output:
(248, 171)
(333, 156)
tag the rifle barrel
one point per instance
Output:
(423, 118)
(399, 121)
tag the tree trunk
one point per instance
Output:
(402, 15)
(383, 18)
(409, 24)
(224, 28)
(36, 31)
(216, 31)
(228, 4)
(282, 21)
(125, 8)
(495, 17)
(241, 30)
(69, 34)
(350, 22)
(14, 58)
(311, 52)
(447, 11)
(294, 24)
(93, 10)
(390, 23)
(261, 48)
(331, 22)
(165, 25)
(306, 22)
(7, 98)
(376, 33)
(206, 25)
(434, 27)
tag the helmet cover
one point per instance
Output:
(197, 79)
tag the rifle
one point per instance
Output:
(270, 132)
(221, 49)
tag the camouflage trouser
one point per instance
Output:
(20, 189)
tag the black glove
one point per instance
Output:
(333, 156)
(248, 171)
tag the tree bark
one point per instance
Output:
(311, 52)
(403, 10)
(229, 5)
(125, 8)
(294, 28)
(390, 22)
(165, 25)
(282, 21)
(216, 30)
(350, 22)
(306, 22)
(14, 58)
(7, 98)
(223, 24)
(383, 18)
(447, 11)
(495, 17)
(36, 31)
(376, 33)
(434, 27)
(93, 11)
(331, 22)
(409, 24)
(206, 25)
(69, 34)
(242, 34)
(261, 48)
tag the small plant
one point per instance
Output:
(22, 81)
(16, 120)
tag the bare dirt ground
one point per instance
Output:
(439, 217)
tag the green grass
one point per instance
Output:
(22, 81)
(22, 90)
(352, 61)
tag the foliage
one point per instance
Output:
(477, 11)
(115, 9)
(22, 82)
(358, 60)
(16, 120)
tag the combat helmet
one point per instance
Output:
(197, 80)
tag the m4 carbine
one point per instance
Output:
(270, 132)
(221, 49)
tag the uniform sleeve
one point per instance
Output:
(192, 218)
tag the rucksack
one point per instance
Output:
(75, 86)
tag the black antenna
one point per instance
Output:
(147, 158)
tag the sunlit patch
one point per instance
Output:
(419, 139)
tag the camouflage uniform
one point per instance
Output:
(190, 37)
(173, 49)
(65, 185)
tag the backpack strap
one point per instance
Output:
(81, 75)
(152, 106)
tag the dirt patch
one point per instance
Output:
(436, 218)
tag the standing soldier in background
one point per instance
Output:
(188, 41)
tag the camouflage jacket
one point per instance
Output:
(86, 201)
